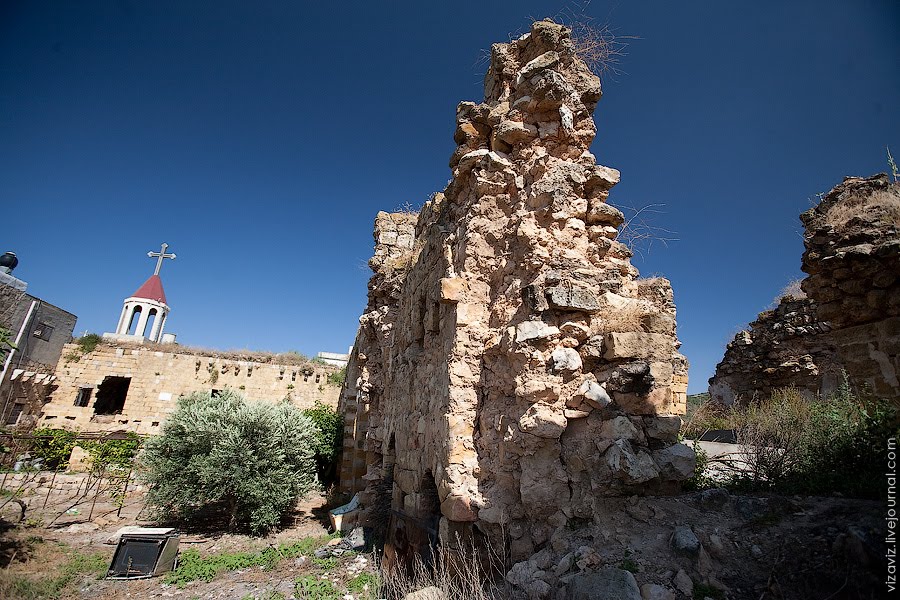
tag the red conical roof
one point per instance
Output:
(151, 290)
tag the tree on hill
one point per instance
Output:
(229, 460)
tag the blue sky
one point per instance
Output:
(260, 139)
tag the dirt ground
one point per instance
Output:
(750, 547)
(37, 550)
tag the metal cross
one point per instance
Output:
(159, 257)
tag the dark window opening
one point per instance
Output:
(111, 395)
(317, 378)
(43, 331)
(17, 409)
(84, 396)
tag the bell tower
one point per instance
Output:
(144, 313)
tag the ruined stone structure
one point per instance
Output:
(850, 321)
(121, 387)
(784, 347)
(510, 368)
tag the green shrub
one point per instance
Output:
(338, 377)
(112, 455)
(329, 441)
(88, 342)
(54, 446)
(794, 445)
(6, 343)
(224, 458)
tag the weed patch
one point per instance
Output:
(193, 567)
(78, 567)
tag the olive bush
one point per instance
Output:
(229, 460)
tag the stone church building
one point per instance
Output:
(133, 378)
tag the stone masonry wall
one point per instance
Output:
(159, 378)
(784, 347)
(852, 256)
(850, 321)
(511, 366)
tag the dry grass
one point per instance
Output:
(463, 574)
(792, 291)
(883, 204)
(638, 233)
(772, 434)
(597, 45)
(284, 358)
(631, 318)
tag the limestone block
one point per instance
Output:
(638, 345)
(593, 394)
(513, 132)
(534, 330)
(565, 360)
(458, 508)
(619, 428)
(657, 401)
(79, 460)
(664, 428)
(630, 466)
(543, 420)
(547, 60)
(601, 213)
(677, 462)
(573, 295)
(453, 289)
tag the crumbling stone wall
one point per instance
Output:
(852, 256)
(158, 378)
(784, 347)
(511, 366)
(849, 324)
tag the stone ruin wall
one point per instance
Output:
(510, 368)
(850, 321)
(159, 378)
(784, 347)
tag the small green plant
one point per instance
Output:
(629, 565)
(338, 377)
(88, 342)
(213, 376)
(326, 564)
(310, 586)
(53, 586)
(6, 343)
(290, 386)
(193, 567)
(364, 582)
(702, 591)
